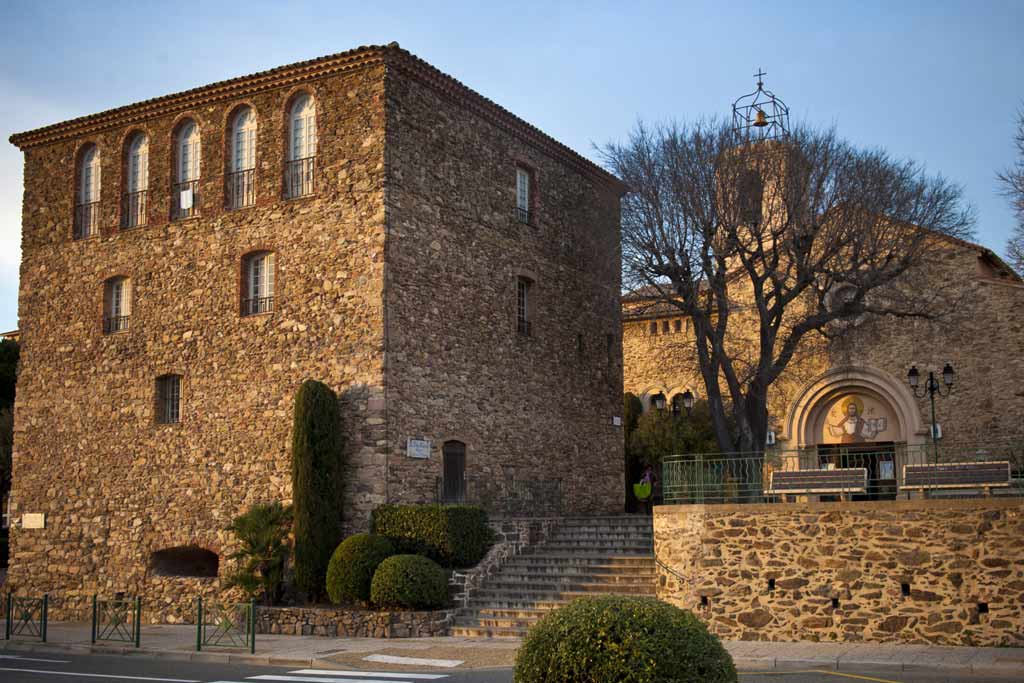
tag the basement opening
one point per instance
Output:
(185, 560)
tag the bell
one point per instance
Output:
(761, 121)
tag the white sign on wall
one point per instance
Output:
(418, 448)
(33, 520)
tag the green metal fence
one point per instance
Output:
(883, 471)
(118, 620)
(231, 624)
(26, 617)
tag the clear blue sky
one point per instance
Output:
(935, 81)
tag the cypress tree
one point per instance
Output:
(318, 445)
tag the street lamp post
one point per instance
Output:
(930, 388)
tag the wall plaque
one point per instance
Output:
(33, 520)
(418, 448)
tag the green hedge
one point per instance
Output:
(621, 638)
(453, 535)
(352, 565)
(409, 582)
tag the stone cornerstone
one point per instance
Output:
(948, 572)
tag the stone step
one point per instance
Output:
(500, 623)
(484, 632)
(606, 519)
(550, 599)
(525, 614)
(591, 559)
(618, 548)
(603, 537)
(571, 586)
(542, 573)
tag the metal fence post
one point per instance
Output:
(7, 628)
(199, 624)
(93, 618)
(46, 605)
(138, 621)
(252, 619)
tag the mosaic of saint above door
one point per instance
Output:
(858, 418)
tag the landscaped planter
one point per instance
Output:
(352, 623)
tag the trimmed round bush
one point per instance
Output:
(409, 582)
(352, 565)
(621, 638)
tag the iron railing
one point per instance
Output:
(115, 323)
(241, 188)
(118, 620)
(184, 200)
(263, 304)
(87, 220)
(504, 497)
(834, 472)
(524, 327)
(229, 624)
(26, 617)
(133, 211)
(522, 215)
(298, 178)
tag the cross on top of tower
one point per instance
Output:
(758, 76)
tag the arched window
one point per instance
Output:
(301, 147)
(241, 180)
(117, 304)
(188, 157)
(258, 283)
(453, 481)
(87, 203)
(136, 181)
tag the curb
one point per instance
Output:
(743, 664)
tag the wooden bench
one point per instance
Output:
(844, 481)
(957, 475)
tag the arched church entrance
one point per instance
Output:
(856, 417)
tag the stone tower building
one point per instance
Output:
(360, 219)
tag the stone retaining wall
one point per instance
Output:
(352, 623)
(949, 572)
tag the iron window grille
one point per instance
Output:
(115, 323)
(184, 199)
(169, 399)
(134, 213)
(522, 307)
(87, 220)
(522, 215)
(255, 306)
(241, 188)
(299, 177)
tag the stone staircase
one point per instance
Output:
(584, 556)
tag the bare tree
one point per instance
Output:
(768, 246)
(1012, 181)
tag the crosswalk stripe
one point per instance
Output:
(414, 661)
(94, 675)
(380, 674)
(33, 659)
(320, 679)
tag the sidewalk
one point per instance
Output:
(179, 642)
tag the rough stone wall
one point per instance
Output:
(115, 485)
(534, 408)
(353, 623)
(929, 571)
(982, 338)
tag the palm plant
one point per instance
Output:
(262, 532)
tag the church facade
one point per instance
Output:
(361, 219)
(853, 391)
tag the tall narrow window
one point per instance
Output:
(133, 212)
(523, 322)
(258, 295)
(241, 180)
(453, 483)
(87, 203)
(168, 399)
(117, 305)
(523, 182)
(185, 193)
(301, 148)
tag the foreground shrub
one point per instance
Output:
(409, 582)
(262, 533)
(453, 535)
(619, 638)
(318, 446)
(350, 571)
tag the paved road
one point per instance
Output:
(75, 668)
